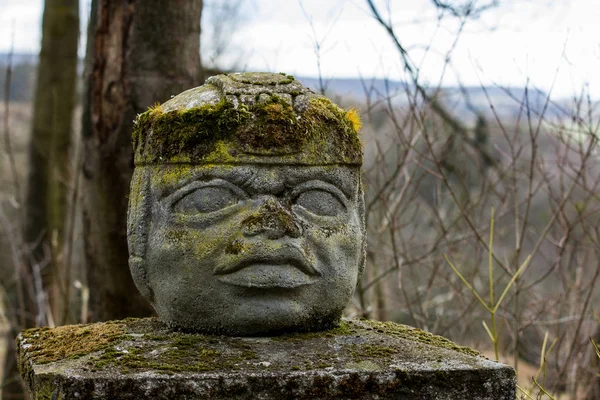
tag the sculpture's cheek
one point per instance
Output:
(338, 256)
(181, 263)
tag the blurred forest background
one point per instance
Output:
(482, 201)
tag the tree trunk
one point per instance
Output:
(49, 162)
(50, 142)
(144, 52)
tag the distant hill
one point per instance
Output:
(462, 102)
(506, 101)
(18, 59)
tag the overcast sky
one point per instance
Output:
(549, 42)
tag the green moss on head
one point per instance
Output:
(272, 127)
(353, 116)
(194, 132)
(238, 133)
(155, 108)
(271, 216)
(235, 247)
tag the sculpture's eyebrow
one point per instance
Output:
(238, 179)
(242, 178)
(247, 179)
(345, 182)
(256, 180)
(286, 178)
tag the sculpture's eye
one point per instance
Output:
(320, 202)
(205, 200)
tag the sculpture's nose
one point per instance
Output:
(271, 220)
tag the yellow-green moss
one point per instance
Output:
(173, 360)
(226, 133)
(235, 247)
(272, 216)
(418, 335)
(175, 352)
(70, 341)
(354, 117)
(360, 352)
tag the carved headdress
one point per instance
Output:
(239, 118)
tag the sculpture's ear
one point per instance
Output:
(139, 216)
(361, 212)
(139, 273)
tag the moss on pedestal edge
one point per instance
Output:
(39, 346)
(418, 335)
(46, 345)
(146, 344)
(232, 133)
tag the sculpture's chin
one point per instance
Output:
(267, 323)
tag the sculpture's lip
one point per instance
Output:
(286, 267)
(288, 255)
(268, 276)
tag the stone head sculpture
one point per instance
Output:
(246, 208)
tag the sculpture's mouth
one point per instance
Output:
(286, 269)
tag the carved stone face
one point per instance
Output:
(247, 249)
(246, 211)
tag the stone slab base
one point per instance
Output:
(142, 359)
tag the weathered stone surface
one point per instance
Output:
(142, 359)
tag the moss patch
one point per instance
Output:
(418, 335)
(271, 216)
(361, 352)
(176, 352)
(175, 359)
(354, 117)
(193, 132)
(228, 133)
(45, 345)
(173, 352)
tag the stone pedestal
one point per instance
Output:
(142, 359)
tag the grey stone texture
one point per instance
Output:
(360, 359)
(257, 233)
